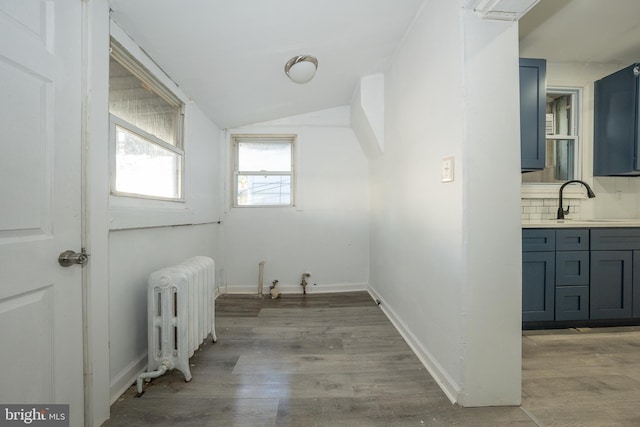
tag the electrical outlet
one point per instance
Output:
(447, 169)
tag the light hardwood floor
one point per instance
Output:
(336, 360)
(582, 377)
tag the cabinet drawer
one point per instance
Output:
(538, 240)
(572, 268)
(572, 239)
(572, 303)
(615, 239)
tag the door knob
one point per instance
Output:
(69, 258)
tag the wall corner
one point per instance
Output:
(367, 115)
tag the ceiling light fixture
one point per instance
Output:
(301, 68)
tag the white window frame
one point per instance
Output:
(128, 61)
(549, 190)
(291, 139)
(116, 121)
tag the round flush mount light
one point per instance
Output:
(301, 68)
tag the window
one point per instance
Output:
(562, 139)
(263, 170)
(146, 131)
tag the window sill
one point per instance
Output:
(263, 206)
(129, 212)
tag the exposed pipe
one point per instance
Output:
(162, 369)
(275, 293)
(260, 278)
(304, 283)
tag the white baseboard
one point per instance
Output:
(450, 388)
(125, 378)
(297, 289)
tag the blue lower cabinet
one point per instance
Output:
(538, 286)
(572, 302)
(581, 274)
(635, 310)
(611, 284)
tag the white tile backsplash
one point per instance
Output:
(538, 209)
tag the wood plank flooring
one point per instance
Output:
(336, 360)
(582, 377)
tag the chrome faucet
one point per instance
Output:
(561, 211)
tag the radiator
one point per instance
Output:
(181, 315)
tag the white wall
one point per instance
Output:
(325, 234)
(142, 247)
(416, 234)
(145, 235)
(445, 257)
(133, 254)
(492, 295)
(367, 114)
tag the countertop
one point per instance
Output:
(580, 223)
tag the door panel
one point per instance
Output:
(614, 144)
(635, 291)
(611, 284)
(538, 286)
(532, 113)
(33, 311)
(40, 203)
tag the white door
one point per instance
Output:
(40, 203)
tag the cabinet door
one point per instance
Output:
(533, 74)
(636, 285)
(611, 284)
(615, 121)
(538, 287)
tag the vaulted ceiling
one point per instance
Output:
(228, 56)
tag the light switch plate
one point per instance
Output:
(447, 169)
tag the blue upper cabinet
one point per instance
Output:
(533, 76)
(615, 144)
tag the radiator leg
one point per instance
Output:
(162, 369)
